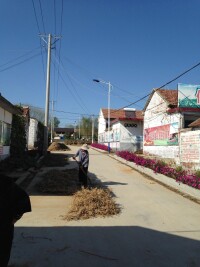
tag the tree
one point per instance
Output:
(56, 122)
(86, 127)
(37, 113)
(18, 137)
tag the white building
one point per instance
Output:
(32, 133)
(126, 129)
(163, 121)
(6, 112)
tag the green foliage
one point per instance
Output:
(179, 169)
(56, 122)
(162, 163)
(86, 127)
(40, 137)
(18, 137)
(197, 173)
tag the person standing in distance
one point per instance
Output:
(83, 161)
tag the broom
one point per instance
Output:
(83, 170)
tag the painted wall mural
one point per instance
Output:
(188, 95)
(164, 135)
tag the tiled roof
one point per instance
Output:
(63, 130)
(171, 96)
(123, 114)
(5, 104)
(195, 123)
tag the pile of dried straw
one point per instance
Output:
(59, 182)
(89, 203)
(56, 146)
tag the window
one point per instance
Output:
(1, 132)
(5, 131)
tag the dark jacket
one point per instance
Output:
(14, 201)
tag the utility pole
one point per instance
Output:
(74, 130)
(47, 96)
(52, 121)
(92, 129)
(49, 44)
(79, 129)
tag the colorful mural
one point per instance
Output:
(164, 135)
(188, 95)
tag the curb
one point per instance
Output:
(180, 188)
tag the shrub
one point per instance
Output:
(159, 166)
(100, 146)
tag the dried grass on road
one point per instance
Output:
(56, 146)
(59, 182)
(90, 203)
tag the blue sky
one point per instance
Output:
(137, 45)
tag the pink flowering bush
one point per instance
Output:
(100, 146)
(158, 166)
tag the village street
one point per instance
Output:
(156, 227)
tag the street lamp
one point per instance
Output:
(109, 88)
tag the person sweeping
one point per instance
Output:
(83, 161)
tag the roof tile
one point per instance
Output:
(122, 114)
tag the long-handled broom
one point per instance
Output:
(83, 171)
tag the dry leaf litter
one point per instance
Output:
(94, 202)
(86, 203)
(56, 146)
(59, 182)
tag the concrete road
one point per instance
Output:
(156, 228)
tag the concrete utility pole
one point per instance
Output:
(92, 128)
(47, 90)
(52, 120)
(79, 129)
(47, 95)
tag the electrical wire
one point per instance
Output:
(42, 17)
(77, 96)
(12, 60)
(59, 52)
(37, 23)
(174, 79)
(19, 63)
(36, 16)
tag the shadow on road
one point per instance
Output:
(102, 246)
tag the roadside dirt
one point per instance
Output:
(55, 179)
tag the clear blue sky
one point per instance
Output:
(137, 45)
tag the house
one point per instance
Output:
(126, 129)
(166, 114)
(6, 112)
(60, 132)
(190, 145)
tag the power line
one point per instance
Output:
(36, 16)
(19, 63)
(61, 26)
(42, 17)
(62, 111)
(12, 60)
(39, 31)
(55, 16)
(72, 93)
(174, 79)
